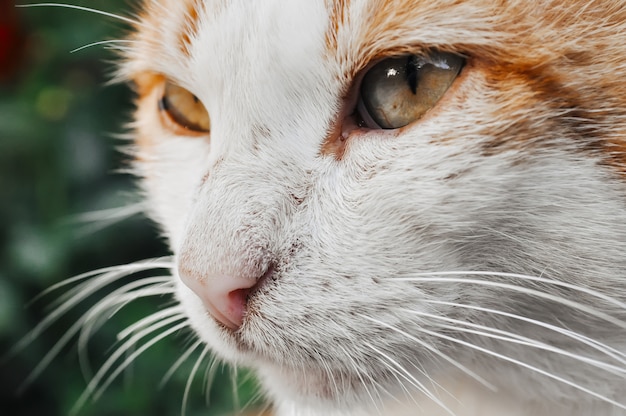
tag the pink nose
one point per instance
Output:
(225, 297)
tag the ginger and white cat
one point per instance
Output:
(401, 207)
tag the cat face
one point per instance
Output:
(363, 196)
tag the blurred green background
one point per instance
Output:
(58, 159)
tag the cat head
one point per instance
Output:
(364, 194)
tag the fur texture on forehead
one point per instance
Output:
(377, 239)
(564, 47)
(358, 31)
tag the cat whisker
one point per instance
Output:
(164, 288)
(397, 368)
(115, 298)
(149, 320)
(209, 376)
(524, 365)
(519, 289)
(255, 398)
(100, 313)
(86, 9)
(434, 384)
(395, 373)
(114, 43)
(192, 374)
(51, 354)
(511, 337)
(402, 384)
(359, 371)
(95, 221)
(95, 391)
(435, 351)
(185, 355)
(250, 401)
(101, 277)
(129, 343)
(329, 373)
(598, 346)
(233, 385)
(123, 270)
(103, 310)
(536, 279)
(84, 324)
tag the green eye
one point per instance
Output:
(397, 91)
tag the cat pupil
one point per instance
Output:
(411, 69)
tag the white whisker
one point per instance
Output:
(86, 9)
(233, 386)
(194, 370)
(149, 320)
(89, 391)
(518, 339)
(252, 400)
(396, 373)
(209, 376)
(606, 349)
(434, 351)
(164, 288)
(94, 221)
(525, 365)
(77, 295)
(113, 302)
(358, 372)
(123, 269)
(535, 279)
(56, 314)
(112, 42)
(84, 325)
(328, 371)
(95, 381)
(411, 379)
(170, 372)
(51, 354)
(99, 314)
(520, 289)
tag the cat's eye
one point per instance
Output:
(400, 90)
(183, 111)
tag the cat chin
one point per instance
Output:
(306, 391)
(295, 393)
(307, 388)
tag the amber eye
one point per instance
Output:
(183, 111)
(397, 91)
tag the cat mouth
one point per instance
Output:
(245, 297)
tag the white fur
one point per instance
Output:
(335, 332)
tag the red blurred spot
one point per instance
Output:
(11, 41)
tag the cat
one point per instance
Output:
(393, 207)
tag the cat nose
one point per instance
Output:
(224, 297)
